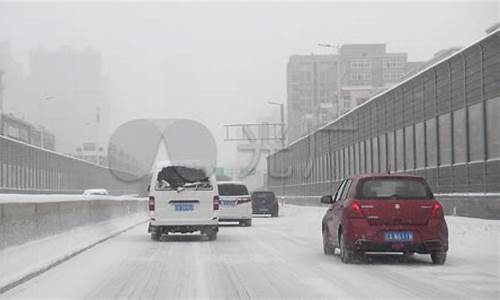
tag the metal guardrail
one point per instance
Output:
(28, 169)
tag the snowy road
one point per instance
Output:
(274, 258)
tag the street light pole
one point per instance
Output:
(42, 131)
(282, 114)
(1, 101)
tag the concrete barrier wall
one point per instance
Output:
(482, 206)
(21, 222)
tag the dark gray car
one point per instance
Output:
(264, 202)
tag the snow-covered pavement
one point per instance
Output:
(280, 257)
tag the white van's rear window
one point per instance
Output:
(180, 177)
(230, 189)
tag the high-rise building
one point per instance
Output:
(65, 92)
(12, 79)
(322, 87)
(311, 92)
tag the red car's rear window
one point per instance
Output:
(393, 187)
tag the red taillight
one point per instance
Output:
(216, 202)
(242, 200)
(151, 203)
(437, 211)
(356, 211)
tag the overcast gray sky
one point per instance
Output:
(220, 62)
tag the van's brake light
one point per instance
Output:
(242, 200)
(216, 202)
(151, 203)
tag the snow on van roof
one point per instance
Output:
(184, 163)
(231, 182)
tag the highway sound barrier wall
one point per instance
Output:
(29, 169)
(442, 123)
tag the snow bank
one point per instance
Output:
(43, 198)
(22, 262)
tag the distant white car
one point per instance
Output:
(236, 203)
(100, 192)
(183, 198)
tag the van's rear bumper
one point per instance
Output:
(236, 213)
(184, 222)
(176, 226)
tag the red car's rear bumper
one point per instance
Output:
(427, 238)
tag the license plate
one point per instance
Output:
(228, 203)
(183, 207)
(398, 236)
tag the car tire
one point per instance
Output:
(211, 234)
(155, 235)
(246, 223)
(328, 249)
(346, 255)
(438, 257)
(275, 214)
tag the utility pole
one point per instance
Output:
(282, 114)
(1, 90)
(42, 128)
(1, 101)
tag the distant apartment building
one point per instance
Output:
(322, 87)
(91, 152)
(12, 78)
(440, 55)
(18, 129)
(64, 90)
(113, 156)
(10, 125)
(311, 92)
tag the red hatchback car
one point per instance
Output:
(384, 213)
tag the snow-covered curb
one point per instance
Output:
(23, 262)
(44, 198)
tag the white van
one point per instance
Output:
(183, 198)
(236, 203)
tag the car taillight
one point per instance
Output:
(356, 211)
(437, 211)
(151, 203)
(242, 200)
(216, 202)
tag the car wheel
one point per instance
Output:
(155, 235)
(328, 249)
(248, 223)
(275, 214)
(211, 234)
(438, 257)
(346, 255)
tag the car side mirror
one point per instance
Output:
(327, 199)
